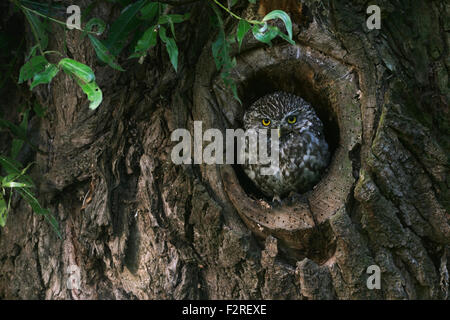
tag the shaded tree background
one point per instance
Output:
(139, 226)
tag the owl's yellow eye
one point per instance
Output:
(292, 119)
(266, 122)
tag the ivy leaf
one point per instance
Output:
(38, 29)
(45, 76)
(35, 65)
(93, 92)
(103, 53)
(243, 28)
(279, 14)
(171, 47)
(120, 29)
(147, 41)
(77, 69)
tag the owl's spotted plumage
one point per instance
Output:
(303, 150)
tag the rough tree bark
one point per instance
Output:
(139, 226)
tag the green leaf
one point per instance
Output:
(32, 51)
(120, 29)
(99, 23)
(219, 50)
(233, 88)
(171, 19)
(48, 9)
(18, 143)
(103, 53)
(285, 37)
(38, 29)
(45, 76)
(93, 92)
(279, 14)
(171, 47)
(149, 11)
(147, 41)
(84, 76)
(221, 55)
(243, 28)
(3, 211)
(267, 33)
(34, 203)
(16, 146)
(39, 110)
(77, 69)
(12, 167)
(54, 223)
(175, 18)
(24, 122)
(10, 177)
(15, 130)
(33, 66)
(15, 184)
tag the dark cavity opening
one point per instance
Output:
(297, 78)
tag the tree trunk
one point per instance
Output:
(138, 226)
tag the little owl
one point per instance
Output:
(303, 150)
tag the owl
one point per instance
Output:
(303, 151)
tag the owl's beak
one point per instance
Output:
(279, 132)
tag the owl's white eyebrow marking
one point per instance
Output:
(293, 112)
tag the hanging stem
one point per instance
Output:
(50, 18)
(235, 15)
